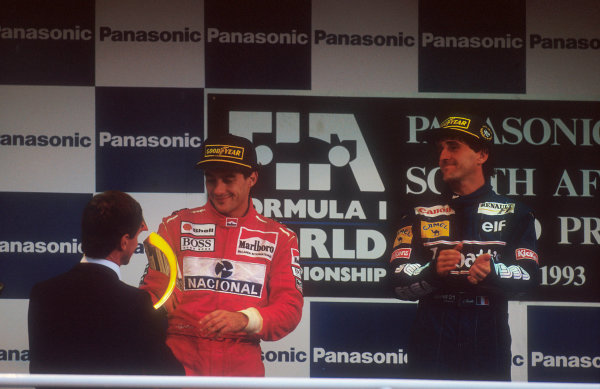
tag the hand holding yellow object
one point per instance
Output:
(157, 241)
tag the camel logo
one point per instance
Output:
(432, 230)
(404, 235)
(334, 140)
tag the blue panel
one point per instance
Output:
(359, 339)
(563, 344)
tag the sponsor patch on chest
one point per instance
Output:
(198, 229)
(438, 210)
(197, 244)
(401, 253)
(224, 276)
(491, 208)
(404, 235)
(526, 254)
(256, 244)
(431, 230)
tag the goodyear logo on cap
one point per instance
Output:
(456, 122)
(224, 151)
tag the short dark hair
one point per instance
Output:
(106, 218)
(488, 166)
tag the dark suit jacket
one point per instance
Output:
(86, 321)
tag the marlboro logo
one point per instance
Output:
(255, 243)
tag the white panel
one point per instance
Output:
(14, 339)
(163, 63)
(50, 113)
(361, 68)
(319, 176)
(517, 321)
(288, 176)
(563, 73)
(288, 127)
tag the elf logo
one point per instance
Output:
(495, 226)
(338, 142)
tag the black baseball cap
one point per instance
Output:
(468, 127)
(228, 151)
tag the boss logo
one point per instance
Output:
(194, 244)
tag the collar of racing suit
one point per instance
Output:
(226, 221)
(457, 201)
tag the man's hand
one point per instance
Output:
(480, 269)
(220, 322)
(448, 260)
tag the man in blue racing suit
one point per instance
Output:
(463, 258)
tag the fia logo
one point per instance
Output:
(335, 137)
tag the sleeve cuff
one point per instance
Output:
(255, 320)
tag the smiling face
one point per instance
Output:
(461, 166)
(229, 190)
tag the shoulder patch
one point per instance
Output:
(404, 235)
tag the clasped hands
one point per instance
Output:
(449, 259)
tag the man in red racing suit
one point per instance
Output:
(238, 272)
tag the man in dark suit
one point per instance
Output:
(87, 321)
